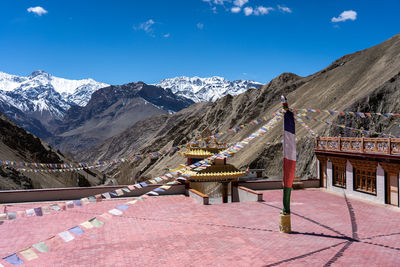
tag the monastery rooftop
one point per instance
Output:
(175, 230)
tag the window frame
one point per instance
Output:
(339, 166)
(355, 188)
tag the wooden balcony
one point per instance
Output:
(379, 146)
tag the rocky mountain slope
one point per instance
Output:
(110, 111)
(18, 145)
(42, 97)
(206, 89)
(367, 80)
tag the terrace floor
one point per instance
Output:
(175, 230)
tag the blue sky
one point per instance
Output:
(121, 41)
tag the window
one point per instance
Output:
(365, 180)
(339, 175)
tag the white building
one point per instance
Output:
(368, 168)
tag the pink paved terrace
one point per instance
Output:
(177, 231)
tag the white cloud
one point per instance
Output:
(235, 9)
(166, 35)
(146, 27)
(346, 15)
(240, 3)
(200, 26)
(261, 10)
(38, 10)
(248, 11)
(284, 9)
(216, 2)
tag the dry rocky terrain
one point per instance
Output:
(366, 81)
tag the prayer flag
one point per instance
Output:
(12, 215)
(132, 202)
(119, 192)
(38, 211)
(96, 223)
(87, 225)
(92, 199)
(85, 201)
(113, 193)
(159, 190)
(106, 195)
(152, 193)
(78, 202)
(28, 254)
(126, 189)
(13, 259)
(98, 198)
(123, 207)
(289, 154)
(131, 187)
(3, 217)
(41, 247)
(143, 184)
(66, 236)
(166, 187)
(46, 210)
(70, 204)
(115, 212)
(76, 230)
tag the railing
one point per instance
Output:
(384, 146)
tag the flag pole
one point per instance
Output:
(289, 164)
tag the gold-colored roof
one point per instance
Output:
(215, 172)
(205, 152)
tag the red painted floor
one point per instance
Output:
(177, 231)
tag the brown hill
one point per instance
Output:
(110, 111)
(367, 80)
(18, 145)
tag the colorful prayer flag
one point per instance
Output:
(12, 215)
(66, 236)
(3, 217)
(115, 212)
(96, 223)
(131, 187)
(98, 198)
(38, 211)
(289, 154)
(41, 247)
(46, 210)
(85, 201)
(70, 204)
(13, 259)
(106, 195)
(126, 190)
(87, 225)
(76, 230)
(123, 207)
(28, 254)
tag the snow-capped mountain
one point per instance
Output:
(72, 91)
(43, 97)
(206, 89)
